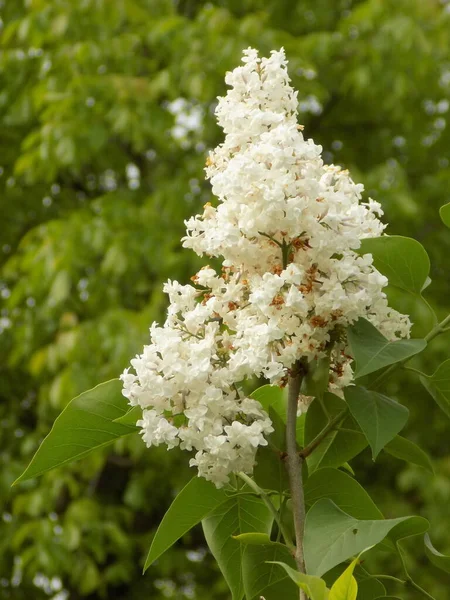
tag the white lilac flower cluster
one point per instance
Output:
(288, 228)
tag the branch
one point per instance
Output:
(325, 431)
(294, 464)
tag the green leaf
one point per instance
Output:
(338, 447)
(270, 471)
(379, 417)
(271, 396)
(372, 351)
(332, 536)
(195, 501)
(314, 587)
(240, 514)
(406, 450)
(130, 417)
(343, 490)
(263, 578)
(439, 560)
(345, 587)
(369, 589)
(86, 424)
(253, 539)
(438, 386)
(444, 213)
(404, 261)
(408, 528)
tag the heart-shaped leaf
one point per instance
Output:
(195, 501)
(404, 261)
(86, 424)
(439, 560)
(240, 514)
(372, 351)
(379, 417)
(438, 386)
(332, 536)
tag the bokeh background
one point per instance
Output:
(106, 118)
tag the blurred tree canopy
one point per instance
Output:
(106, 117)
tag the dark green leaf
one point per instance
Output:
(338, 447)
(239, 514)
(379, 417)
(369, 589)
(439, 560)
(372, 351)
(438, 386)
(406, 450)
(87, 423)
(314, 587)
(195, 501)
(402, 260)
(411, 526)
(262, 578)
(332, 536)
(270, 471)
(343, 490)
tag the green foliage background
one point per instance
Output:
(95, 183)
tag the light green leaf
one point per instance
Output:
(404, 261)
(263, 578)
(314, 587)
(345, 587)
(406, 450)
(439, 560)
(343, 490)
(332, 536)
(130, 417)
(379, 417)
(444, 213)
(338, 447)
(87, 423)
(195, 501)
(438, 386)
(271, 396)
(252, 539)
(372, 351)
(240, 514)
